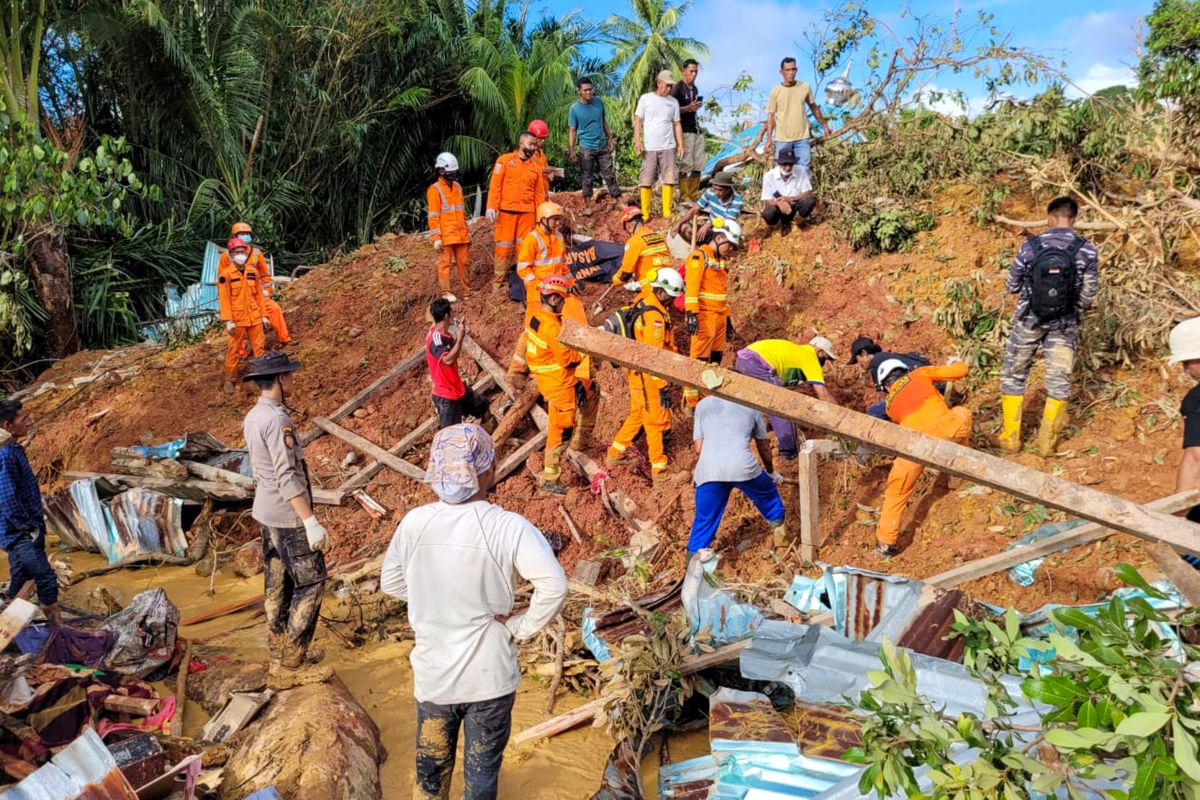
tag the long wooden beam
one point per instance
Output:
(376, 452)
(1007, 476)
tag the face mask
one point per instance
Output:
(240, 258)
(450, 176)
(527, 152)
(245, 237)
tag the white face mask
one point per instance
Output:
(240, 258)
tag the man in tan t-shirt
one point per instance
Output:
(787, 116)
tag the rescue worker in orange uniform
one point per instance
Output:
(568, 403)
(706, 300)
(649, 395)
(240, 299)
(541, 130)
(645, 251)
(914, 402)
(516, 189)
(258, 262)
(448, 221)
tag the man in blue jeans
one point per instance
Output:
(588, 127)
(22, 521)
(721, 432)
(788, 105)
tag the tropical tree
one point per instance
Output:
(648, 42)
(1170, 68)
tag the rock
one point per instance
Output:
(355, 332)
(313, 742)
(361, 413)
(223, 676)
(248, 561)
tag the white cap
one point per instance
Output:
(1184, 341)
(823, 345)
(887, 367)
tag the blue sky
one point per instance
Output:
(1097, 41)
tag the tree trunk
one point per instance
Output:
(51, 272)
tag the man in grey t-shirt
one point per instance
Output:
(722, 431)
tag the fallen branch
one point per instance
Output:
(1041, 223)
(157, 559)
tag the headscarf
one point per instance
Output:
(458, 456)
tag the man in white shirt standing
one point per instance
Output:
(786, 193)
(658, 139)
(454, 562)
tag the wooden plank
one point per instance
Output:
(190, 489)
(354, 403)
(1179, 572)
(394, 463)
(16, 615)
(328, 497)
(808, 503)
(211, 473)
(181, 692)
(1076, 537)
(520, 456)
(489, 365)
(133, 706)
(930, 451)
(228, 608)
(128, 461)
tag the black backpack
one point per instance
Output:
(622, 320)
(1052, 279)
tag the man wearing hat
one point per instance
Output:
(786, 193)
(658, 139)
(456, 562)
(869, 355)
(293, 538)
(718, 201)
(784, 363)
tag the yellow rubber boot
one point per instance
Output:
(1053, 417)
(646, 196)
(668, 194)
(1010, 412)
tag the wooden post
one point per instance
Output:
(1008, 476)
(1178, 571)
(394, 463)
(808, 503)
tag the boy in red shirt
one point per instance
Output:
(451, 397)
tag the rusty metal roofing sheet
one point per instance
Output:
(83, 770)
(146, 521)
(823, 730)
(876, 605)
(928, 631)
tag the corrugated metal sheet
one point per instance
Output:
(824, 730)
(83, 770)
(64, 520)
(877, 605)
(196, 308)
(749, 775)
(146, 521)
(928, 631)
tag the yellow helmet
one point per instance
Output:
(240, 227)
(547, 210)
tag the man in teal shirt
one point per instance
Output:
(589, 129)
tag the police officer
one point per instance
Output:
(293, 539)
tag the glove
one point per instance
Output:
(632, 286)
(229, 326)
(437, 244)
(492, 214)
(664, 397)
(693, 323)
(953, 360)
(266, 322)
(314, 531)
(775, 476)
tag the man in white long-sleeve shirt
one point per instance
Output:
(454, 561)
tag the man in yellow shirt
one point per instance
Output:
(787, 116)
(785, 363)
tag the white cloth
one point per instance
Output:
(455, 564)
(726, 429)
(658, 115)
(773, 181)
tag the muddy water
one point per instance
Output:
(567, 767)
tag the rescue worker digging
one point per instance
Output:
(448, 222)
(516, 189)
(645, 251)
(784, 363)
(569, 402)
(293, 538)
(913, 402)
(649, 395)
(706, 301)
(266, 281)
(240, 300)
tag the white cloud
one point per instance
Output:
(1100, 76)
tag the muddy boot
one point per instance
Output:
(1009, 438)
(660, 480)
(275, 644)
(294, 669)
(614, 461)
(1053, 418)
(554, 487)
(53, 615)
(780, 536)
(500, 272)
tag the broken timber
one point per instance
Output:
(1015, 479)
(192, 488)
(376, 452)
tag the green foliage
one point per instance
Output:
(889, 231)
(1170, 69)
(649, 42)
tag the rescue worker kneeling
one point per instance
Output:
(914, 402)
(706, 301)
(570, 401)
(649, 395)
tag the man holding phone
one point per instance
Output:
(694, 156)
(786, 193)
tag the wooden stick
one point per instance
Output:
(356, 402)
(157, 559)
(570, 524)
(1041, 223)
(520, 456)
(211, 473)
(515, 415)
(930, 451)
(181, 692)
(228, 608)
(394, 463)
(560, 639)
(1178, 571)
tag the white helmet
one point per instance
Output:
(887, 367)
(669, 280)
(1184, 341)
(446, 161)
(729, 227)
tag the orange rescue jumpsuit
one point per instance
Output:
(516, 188)
(448, 221)
(649, 403)
(271, 310)
(706, 286)
(914, 403)
(645, 250)
(540, 255)
(553, 364)
(240, 299)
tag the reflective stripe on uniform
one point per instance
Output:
(710, 296)
(445, 207)
(619, 447)
(534, 339)
(550, 368)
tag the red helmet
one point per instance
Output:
(539, 128)
(556, 284)
(235, 244)
(630, 214)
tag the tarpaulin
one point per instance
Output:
(145, 631)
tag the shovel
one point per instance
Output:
(598, 306)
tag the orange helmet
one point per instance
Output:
(556, 284)
(539, 128)
(236, 244)
(240, 228)
(547, 210)
(630, 214)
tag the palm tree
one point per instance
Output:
(648, 43)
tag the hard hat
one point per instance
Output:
(235, 244)
(886, 368)
(556, 284)
(446, 161)
(546, 210)
(1184, 341)
(731, 230)
(539, 128)
(823, 345)
(630, 214)
(240, 228)
(669, 280)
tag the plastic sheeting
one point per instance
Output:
(1024, 573)
(751, 775)
(146, 630)
(709, 606)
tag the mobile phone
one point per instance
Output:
(778, 195)
(699, 97)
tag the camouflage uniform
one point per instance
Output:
(1056, 337)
